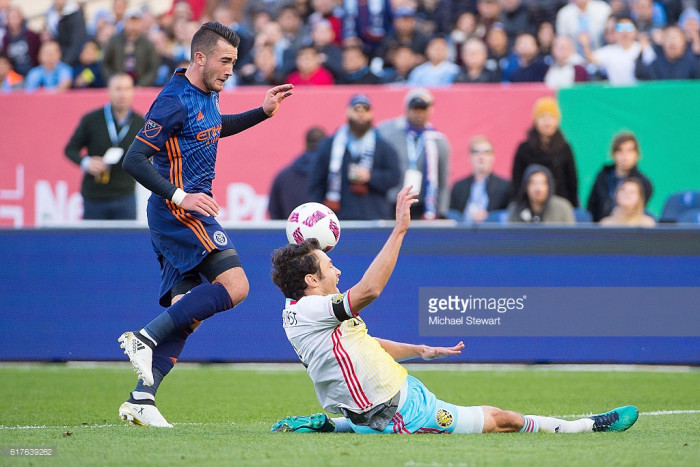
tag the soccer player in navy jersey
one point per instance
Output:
(181, 133)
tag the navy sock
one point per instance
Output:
(165, 355)
(196, 305)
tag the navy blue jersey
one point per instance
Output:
(184, 126)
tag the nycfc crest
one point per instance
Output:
(220, 238)
(444, 418)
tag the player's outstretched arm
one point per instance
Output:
(377, 275)
(275, 96)
(401, 351)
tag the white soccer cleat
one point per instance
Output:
(142, 415)
(140, 354)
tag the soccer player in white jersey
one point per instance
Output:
(357, 375)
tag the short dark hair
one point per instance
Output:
(291, 264)
(622, 138)
(209, 34)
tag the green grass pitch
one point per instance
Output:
(222, 416)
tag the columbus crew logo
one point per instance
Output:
(220, 238)
(444, 418)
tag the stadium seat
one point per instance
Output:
(677, 203)
(691, 216)
(582, 216)
(500, 216)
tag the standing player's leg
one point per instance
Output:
(228, 287)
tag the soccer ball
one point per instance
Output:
(314, 220)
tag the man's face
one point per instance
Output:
(359, 118)
(673, 44)
(481, 154)
(50, 55)
(418, 116)
(121, 92)
(328, 275)
(218, 66)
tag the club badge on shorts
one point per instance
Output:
(444, 418)
(220, 238)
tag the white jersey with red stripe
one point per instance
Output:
(349, 368)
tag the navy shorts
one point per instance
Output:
(181, 240)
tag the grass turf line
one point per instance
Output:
(222, 417)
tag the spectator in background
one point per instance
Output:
(535, 201)
(690, 24)
(630, 201)
(448, 14)
(51, 74)
(323, 40)
(132, 53)
(625, 154)
(66, 25)
(545, 145)
(233, 18)
(88, 72)
(474, 56)
(356, 67)
(354, 170)
(530, 66)
(438, 70)
(473, 197)
(545, 40)
(293, 29)
(617, 61)
(331, 12)
(584, 17)
(497, 43)
(567, 67)
(263, 70)
(673, 60)
(10, 80)
(488, 13)
(309, 69)
(104, 134)
(405, 32)
(183, 31)
(370, 21)
(20, 44)
(515, 19)
(464, 29)
(424, 155)
(399, 62)
(648, 16)
(290, 187)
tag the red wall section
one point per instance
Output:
(40, 186)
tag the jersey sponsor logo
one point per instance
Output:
(220, 238)
(210, 135)
(151, 129)
(444, 418)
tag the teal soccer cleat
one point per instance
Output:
(316, 423)
(618, 419)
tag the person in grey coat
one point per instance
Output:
(424, 155)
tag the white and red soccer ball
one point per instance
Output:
(314, 220)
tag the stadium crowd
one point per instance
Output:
(416, 43)
(323, 42)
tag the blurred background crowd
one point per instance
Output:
(62, 44)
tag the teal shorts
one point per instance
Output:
(422, 412)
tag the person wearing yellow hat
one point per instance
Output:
(546, 145)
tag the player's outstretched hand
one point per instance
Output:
(274, 98)
(404, 200)
(431, 353)
(201, 203)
